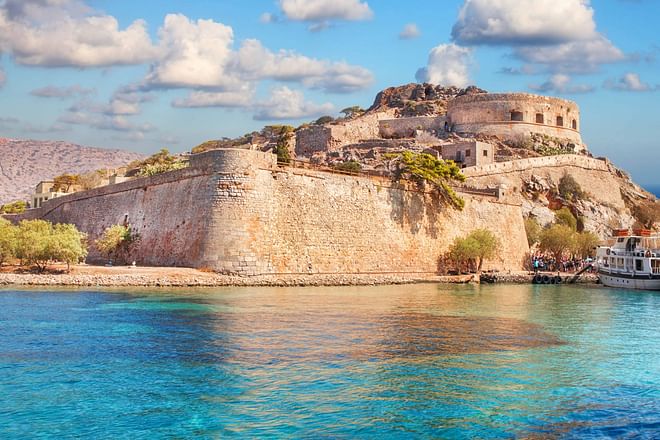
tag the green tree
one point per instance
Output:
(565, 217)
(39, 242)
(67, 244)
(14, 207)
(557, 240)
(7, 241)
(473, 249)
(64, 182)
(157, 163)
(324, 120)
(584, 244)
(423, 167)
(117, 242)
(350, 112)
(284, 134)
(533, 231)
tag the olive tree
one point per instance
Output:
(474, 249)
(557, 240)
(39, 242)
(7, 240)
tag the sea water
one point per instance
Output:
(414, 361)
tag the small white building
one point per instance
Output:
(469, 153)
(44, 191)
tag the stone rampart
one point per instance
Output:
(588, 163)
(331, 137)
(236, 211)
(512, 115)
(406, 127)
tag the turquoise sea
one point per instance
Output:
(416, 361)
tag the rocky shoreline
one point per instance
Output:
(203, 279)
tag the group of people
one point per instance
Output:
(543, 262)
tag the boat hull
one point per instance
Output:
(629, 281)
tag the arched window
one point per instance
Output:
(574, 124)
(539, 118)
(516, 116)
(560, 121)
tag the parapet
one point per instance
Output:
(232, 160)
(511, 115)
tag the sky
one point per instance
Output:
(146, 75)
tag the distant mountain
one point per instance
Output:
(24, 163)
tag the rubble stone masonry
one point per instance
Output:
(236, 211)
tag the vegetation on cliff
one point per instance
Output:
(117, 242)
(561, 238)
(38, 242)
(423, 167)
(157, 163)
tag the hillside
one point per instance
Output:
(24, 163)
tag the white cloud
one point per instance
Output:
(104, 122)
(285, 103)
(630, 82)
(530, 22)
(323, 10)
(409, 32)
(576, 56)
(448, 64)
(255, 62)
(58, 33)
(62, 92)
(192, 54)
(268, 17)
(199, 98)
(558, 35)
(561, 83)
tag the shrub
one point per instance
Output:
(14, 207)
(569, 189)
(350, 112)
(324, 120)
(160, 162)
(565, 217)
(423, 167)
(117, 242)
(351, 166)
(533, 231)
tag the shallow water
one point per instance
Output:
(419, 361)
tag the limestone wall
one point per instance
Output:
(236, 211)
(515, 114)
(405, 127)
(331, 137)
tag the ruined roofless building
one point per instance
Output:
(513, 115)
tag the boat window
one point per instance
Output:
(638, 265)
(619, 240)
(655, 266)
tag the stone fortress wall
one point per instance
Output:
(331, 137)
(236, 211)
(512, 115)
(406, 127)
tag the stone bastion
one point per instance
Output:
(512, 115)
(236, 211)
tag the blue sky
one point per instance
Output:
(144, 75)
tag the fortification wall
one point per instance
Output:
(236, 211)
(605, 207)
(511, 115)
(405, 127)
(331, 137)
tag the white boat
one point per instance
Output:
(631, 260)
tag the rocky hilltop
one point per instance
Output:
(24, 163)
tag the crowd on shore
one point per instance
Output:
(543, 262)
